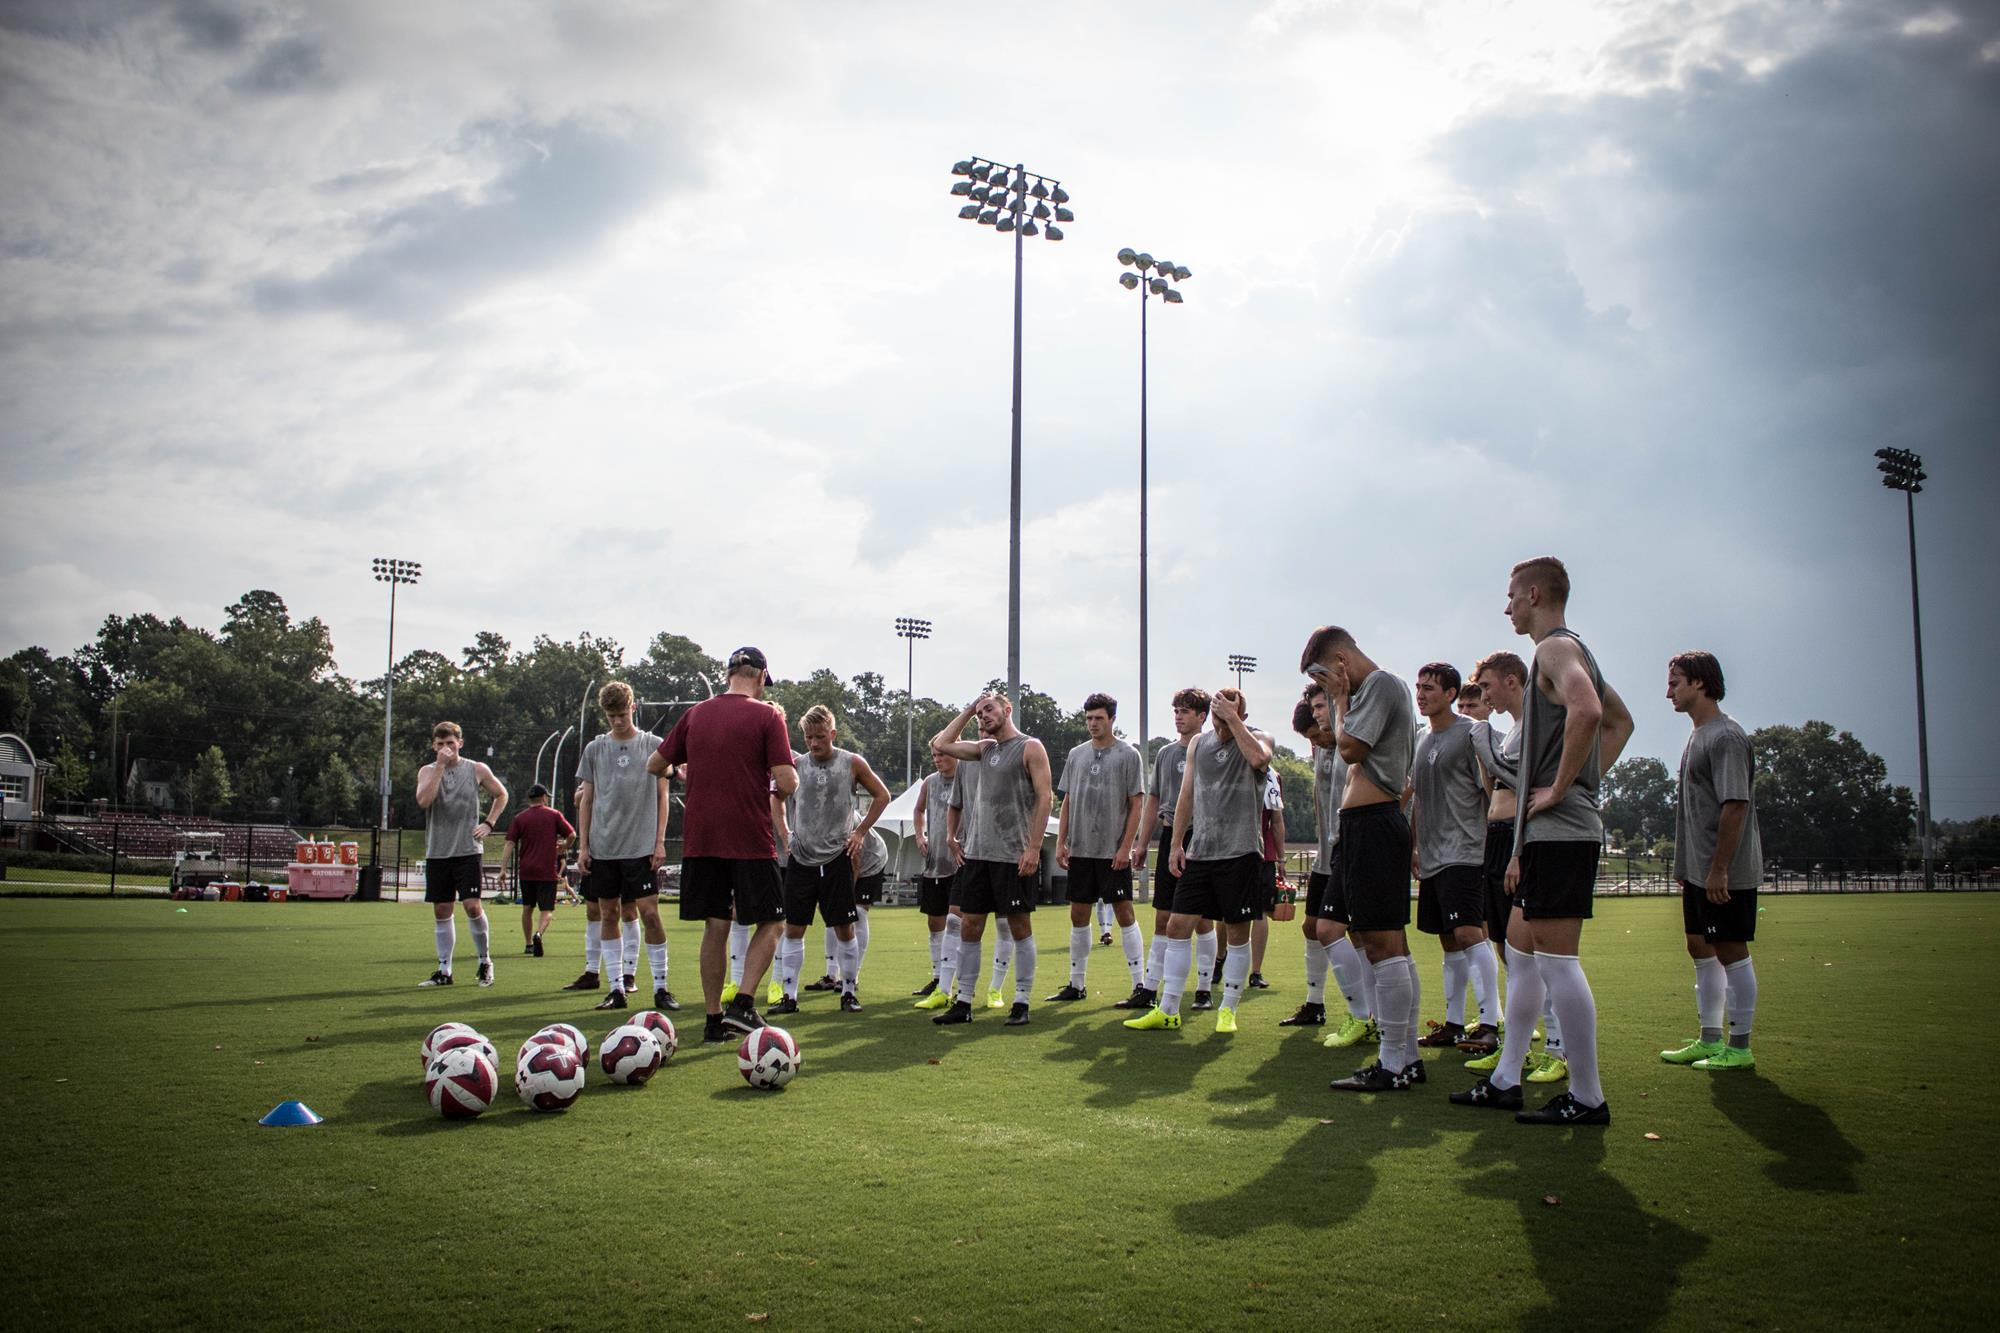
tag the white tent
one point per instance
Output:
(899, 829)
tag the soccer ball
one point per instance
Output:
(574, 1036)
(466, 1040)
(437, 1034)
(548, 1077)
(629, 1055)
(460, 1083)
(663, 1032)
(768, 1058)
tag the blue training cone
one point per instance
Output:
(291, 1113)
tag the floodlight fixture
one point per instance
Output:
(961, 168)
(970, 212)
(1145, 261)
(1182, 274)
(1041, 211)
(1040, 191)
(1029, 228)
(1064, 215)
(1127, 255)
(961, 188)
(1170, 296)
(395, 573)
(1059, 195)
(1158, 286)
(1903, 470)
(1128, 280)
(988, 218)
(1053, 232)
(1006, 222)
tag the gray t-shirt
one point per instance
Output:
(624, 797)
(824, 815)
(874, 854)
(1382, 715)
(1716, 767)
(997, 806)
(1168, 765)
(449, 821)
(1499, 753)
(937, 826)
(1576, 817)
(1098, 786)
(791, 812)
(1228, 800)
(1329, 785)
(1451, 803)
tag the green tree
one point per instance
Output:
(1638, 798)
(69, 773)
(1823, 796)
(332, 795)
(1296, 780)
(1971, 842)
(208, 786)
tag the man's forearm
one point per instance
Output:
(1728, 837)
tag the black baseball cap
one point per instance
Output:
(537, 791)
(750, 657)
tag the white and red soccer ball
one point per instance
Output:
(572, 1035)
(768, 1058)
(548, 1076)
(466, 1040)
(437, 1034)
(663, 1032)
(461, 1083)
(629, 1054)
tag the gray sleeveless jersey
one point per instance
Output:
(1451, 805)
(1576, 818)
(1329, 785)
(874, 853)
(1499, 753)
(937, 826)
(1000, 803)
(825, 813)
(791, 810)
(449, 821)
(1228, 800)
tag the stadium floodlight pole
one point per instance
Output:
(1164, 274)
(555, 763)
(391, 572)
(1240, 663)
(911, 629)
(1012, 199)
(1904, 471)
(540, 751)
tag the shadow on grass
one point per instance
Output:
(397, 1109)
(1125, 1067)
(1812, 1152)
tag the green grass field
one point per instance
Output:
(1066, 1175)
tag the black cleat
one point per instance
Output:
(1140, 998)
(1480, 1039)
(664, 999)
(1201, 1000)
(1484, 1093)
(927, 988)
(1216, 980)
(1413, 1074)
(631, 984)
(960, 1012)
(527, 951)
(1105, 938)
(1067, 993)
(437, 978)
(588, 981)
(1309, 1016)
(1257, 982)
(1565, 1109)
(1442, 1035)
(485, 974)
(741, 1015)
(538, 946)
(615, 1000)
(1017, 1017)
(1372, 1078)
(824, 984)
(850, 1003)
(714, 1031)
(788, 1005)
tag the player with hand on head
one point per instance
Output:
(1191, 707)
(1325, 920)
(448, 793)
(1103, 783)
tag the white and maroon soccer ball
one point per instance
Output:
(461, 1083)
(437, 1034)
(573, 1035)
(548, 1076)
(768, 1058)
(463, 1041)
(629, 1055)
(663, 1032)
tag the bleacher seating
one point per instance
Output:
(152, 837)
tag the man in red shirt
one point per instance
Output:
(539, 834)
(737, 753)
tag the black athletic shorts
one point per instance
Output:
(1229, 889)
(1558, 879)
(1375, 866)
(995, 888)
(1164, 879)
(539, 893)
(452, 879)
(1267, 883)
(724, 887)
(619, 879)
(868, 889)
(1733, 922)
(1092, 880)
(1499, 903)
(1316, 894)
(1454, 897)
(1333, 898)
(934, 895)
(827, 889)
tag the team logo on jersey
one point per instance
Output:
(993, 757)
(624, 761)
(1096, 767)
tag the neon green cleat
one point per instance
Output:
(1225, 1020)
(1352, 1033)
(937, 999)
(1690, 1053)
(1548, 1069)
(1729, 1057)
(1541, 1030)
(993, 1000)
(774, 992)
(728, 992)
(1485, 1064)
(1154, 1020)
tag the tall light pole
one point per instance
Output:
(391, 572)
(1904, 471)
(911, 629)
(1165, 273)
(1240, 664)
(1012, 199)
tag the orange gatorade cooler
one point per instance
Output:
(327, 853)
(307, 853)
(350, 853)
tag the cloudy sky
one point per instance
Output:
(631, 317)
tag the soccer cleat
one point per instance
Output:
(1729, 1057)
(1309, 1015)
(850, 1003)
(729, 989)
(1565, 1109)
(1413, 1074)
(1216, 980)
(664, 999)
(1225, 1019)
(741, 1015)
(1105, 938)
(994, 1000)
(959, 1012)
(1353, 1032)
(1696, 1050)
(437, 978)
(631, 985)
(486, 974)
(1067, 993)
(824, 983)
(1480, 1039)
(1140, 998)
(937, 999)
(1202, 1000)
(928, 987)
(1487, 1094)
(713, 1030)
(527, 951)
(588, 981)
(785, 1005)
(615, 1000)
(1257, 982)
(1549, 1069)
(1017, 1017)
(1370, 1078)
(1155, 1020)
(538, 946)
(774, 992)
(1440, 1035)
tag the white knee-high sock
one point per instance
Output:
(1204, 958)
(481, 937)
(1235, 971)
(1003, 954)
(850, 960)
(593, 947)
(1173, 979)
(739, 946)
(630, 940)
(829, 943)
(446, 934)
(1711, 989)
(1485, 970)
(1570, 990)
(948, 954)
(1316, 964)
(1455, 977)
(1156, 963)
(612, 947)
(1103, 917)
(656, 956)
(1134, 943)
(1024, 969)
(791, 957)
(968, 970)
(937, 952)
(1410, 1051)
(1079, 955)
(1742, 1000)
(1392, 1011)
(1356, 977)
(1525, 996)
(861, 948)
(1552, 1028)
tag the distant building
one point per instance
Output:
(21, 782)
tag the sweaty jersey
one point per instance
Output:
(1575, 818)
(940, 864)
(1329, 785)
(1168, 766)
(1382, 715)
(1098, 787)
(451, 817)
(1228, 800)
(825, 809)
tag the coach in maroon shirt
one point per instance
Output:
(736, 752)
(538, 834)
